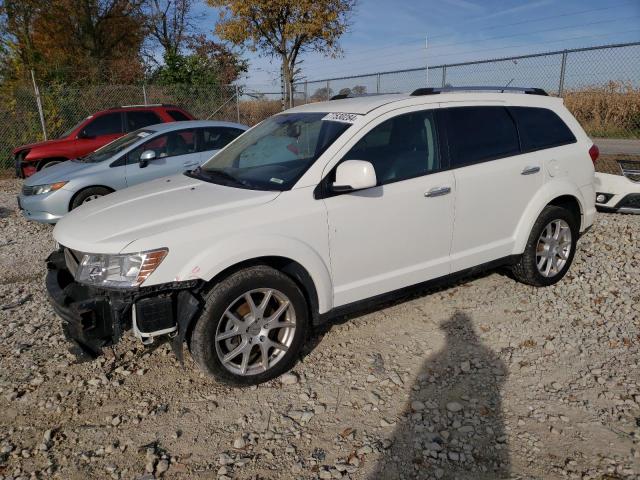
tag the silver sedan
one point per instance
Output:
(151, 152)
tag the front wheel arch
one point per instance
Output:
(43, 162)
(84, 189)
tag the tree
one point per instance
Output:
(207, 63)
(321, 94)
(169, 23)
(73, 41)
(285, 28)
(359, 90)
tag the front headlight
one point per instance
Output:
(51, 187)
(121, 271)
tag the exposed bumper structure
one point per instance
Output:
(94, 318)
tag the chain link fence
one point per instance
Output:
(600, 85)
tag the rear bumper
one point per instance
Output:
(94, 318)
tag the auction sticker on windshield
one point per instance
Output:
(341, 117)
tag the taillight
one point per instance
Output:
(594, 153)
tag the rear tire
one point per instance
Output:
(242, 343)
(550, 248)
(89, 194)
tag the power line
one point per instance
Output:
(493, 27)
(422, 55)
(346, 72)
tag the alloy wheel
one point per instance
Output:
(553, 248)
(255, 331)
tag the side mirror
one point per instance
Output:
(146, 157)
(354, 175)
(82, 134)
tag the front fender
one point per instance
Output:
(231, 251)
(549, 192)
(39, 154)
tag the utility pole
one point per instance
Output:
(426, 58)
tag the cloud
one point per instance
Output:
(512, 10)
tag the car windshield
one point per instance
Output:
(68, 132)
(117, 146)
(274, 154)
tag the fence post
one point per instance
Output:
(563, 67)
(39, 104)
(444, 76)
(237, 103)
(306, 92)
(328, 93)
(378, 83)
(144, 93)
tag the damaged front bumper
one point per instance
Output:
(94, 318)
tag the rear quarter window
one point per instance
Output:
(540, 128)
(477, 134)
(178, 116)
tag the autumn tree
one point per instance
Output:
(74, 41)
(285, 28)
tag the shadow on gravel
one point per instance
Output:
(452, 426)
(5, 212)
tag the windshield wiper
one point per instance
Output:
(222, 175)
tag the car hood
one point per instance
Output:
(110, 223)
(46, 143)
(58, 173)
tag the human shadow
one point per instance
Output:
(452, 426)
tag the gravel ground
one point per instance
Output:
(484, 379)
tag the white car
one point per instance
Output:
(318, 209)
(619, 193)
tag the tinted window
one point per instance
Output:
(141, 119)
(178, 116)
(400, 148)
(480, 133)
(108, 124)
(172, 144)
(215, 138)
(540, 128)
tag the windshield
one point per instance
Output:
(68, 132)
(117, 146)
(274, 154)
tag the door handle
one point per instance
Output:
(530, 170)
(438, 192)
(190, 164)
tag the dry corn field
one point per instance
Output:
(612, 110)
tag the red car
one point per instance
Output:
(92, 133)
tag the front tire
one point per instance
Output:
(253, 327)
(550, 248)
(88, 195)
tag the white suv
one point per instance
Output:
(319, 208)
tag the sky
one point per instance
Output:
(392, 35)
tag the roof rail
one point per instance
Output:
(341, 96)
(147, 105)
(436, 90)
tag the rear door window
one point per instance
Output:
(140, 119)
(178, 116)
(215, 138)
(478, 134)
(107, 124)
(540, 128)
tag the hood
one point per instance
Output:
(58, 173)
(110, 223)
(47, 143)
